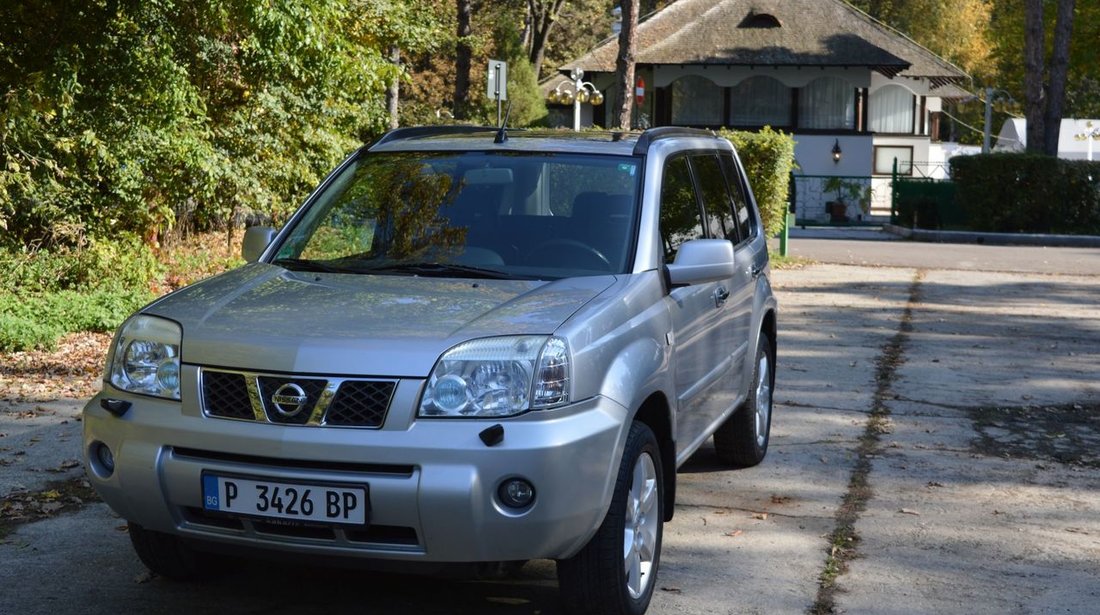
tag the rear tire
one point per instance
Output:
(742, 441)
(616, 572)
(167, 555)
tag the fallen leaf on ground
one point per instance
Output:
(760, 516)
(672, 590)
(734, 534)
(906, 511)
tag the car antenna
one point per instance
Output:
(502, 134)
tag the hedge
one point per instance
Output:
(768, 157)
(1027, 193)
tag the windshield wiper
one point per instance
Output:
(438, 270)
(301, 264)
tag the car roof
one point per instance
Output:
(483, 138)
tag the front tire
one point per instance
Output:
(616, 572)
(167, 555)
(742, 441)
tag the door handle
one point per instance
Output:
(720, 296)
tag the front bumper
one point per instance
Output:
(432, 483)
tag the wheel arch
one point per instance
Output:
(656, 414)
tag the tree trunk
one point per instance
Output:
(624, 64)
(463, 55)
(1059, 66)
(543, 16)
(393, 92)
(1033, 74)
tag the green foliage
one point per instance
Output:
(135, 117)
(1028, 193)
(768, 158)
(125, 263)
(30, 321)
(928, 204)
(524, 97)
(45, 294)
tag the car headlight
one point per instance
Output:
(146, 357)
(498, 376)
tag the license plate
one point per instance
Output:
(279, 500)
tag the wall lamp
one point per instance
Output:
(836, 151)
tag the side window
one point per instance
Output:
(716, 199)
(680, 218)
(746, 221)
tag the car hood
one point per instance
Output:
(265, 318)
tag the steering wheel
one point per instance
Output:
(567, 253)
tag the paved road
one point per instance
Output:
(948, 415)
(877, 248)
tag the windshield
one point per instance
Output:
(471, 214)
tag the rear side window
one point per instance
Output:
(716, 199)
(680, 217)
(743, 215)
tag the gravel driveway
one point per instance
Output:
(935, 449)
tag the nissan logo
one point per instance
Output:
(289, 399)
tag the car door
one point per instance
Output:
(733, 295)
(696, 312)
(750, 253)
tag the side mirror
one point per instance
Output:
(256, 240)
(702, 260)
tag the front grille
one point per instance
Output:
(291, 414)
(225, 394)
(362, 403)
(276, 398)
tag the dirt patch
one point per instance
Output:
(72, 371)
(844, 541)
(58, 497)
(1068, 434)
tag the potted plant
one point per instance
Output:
(847, 191)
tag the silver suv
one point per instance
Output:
(468, 346)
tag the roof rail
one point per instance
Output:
(399, 134)
(652, 135)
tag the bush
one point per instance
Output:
(928, 204)
(46, 294)
(1027, 193)
(768, 157)
(125, 263)
(36, 321)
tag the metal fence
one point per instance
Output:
(865, 199)
(832, 199)
(924, 199)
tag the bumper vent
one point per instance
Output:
(296, 400)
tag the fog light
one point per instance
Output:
(105, 457)
(516, 493)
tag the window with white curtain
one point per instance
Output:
(827, 103)
(697, 101)
(760, 101)
(892, 110)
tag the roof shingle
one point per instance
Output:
(811, 33)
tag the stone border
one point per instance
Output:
(995, 239)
